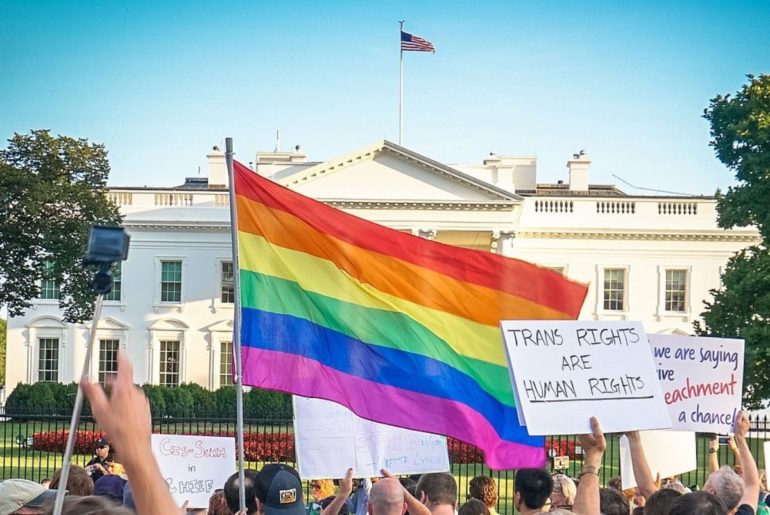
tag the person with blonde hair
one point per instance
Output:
(320, 489)
(563, 492)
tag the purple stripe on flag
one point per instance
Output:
(386, 404)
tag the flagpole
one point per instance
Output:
(400, 83)
(236, 326)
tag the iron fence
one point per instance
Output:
(31, 449)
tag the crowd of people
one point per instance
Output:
(102, 488)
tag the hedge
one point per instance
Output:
(185, 401)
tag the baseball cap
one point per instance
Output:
(279, 489)
(22, 493)
(101, 442)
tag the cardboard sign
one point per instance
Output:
(330, 438)
(194, 466)
(564, 372)
(701, 379)
(668, 453)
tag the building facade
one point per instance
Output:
(647, 258)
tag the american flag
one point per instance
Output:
(410, 43)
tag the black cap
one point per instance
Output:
(279, 489)
(101, 442)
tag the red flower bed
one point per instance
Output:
(461, 452)
(257, 446)
(561, 448)
(56, 441)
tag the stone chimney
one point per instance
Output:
(578, 171)
(513, 173)
(217, 168)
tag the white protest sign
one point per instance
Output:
(701, 379)
(668, 453)
(564, 372)
(194, 466)
(329, 438)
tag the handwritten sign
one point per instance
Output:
(330, 438)
(564, 372)
(668, 453)
(194, 466)
(701, 379)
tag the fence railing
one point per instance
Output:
(31, 448)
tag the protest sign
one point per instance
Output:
(330, 438)
(194, 466)
(668, 453)
(564, 372)
(701, 379)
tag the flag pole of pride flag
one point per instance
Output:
(401, 330)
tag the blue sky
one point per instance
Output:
(159, 83)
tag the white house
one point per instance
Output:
(648, 258)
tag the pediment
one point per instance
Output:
(388, 172)
(673, 331)
(110, 324)
(167, 324)
(47, 322)
(223, 326)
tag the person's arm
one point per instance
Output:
(346, 487)
(125, 416)
(413, 504)
(713, 453)
(734, 447)
(644, 482)
(587, 498)
(750, 472)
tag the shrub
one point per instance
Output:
(32, 399)
(203, 400)
(155, 397)
(224, 400)
(266, 404)
(179, 402)
(187, 400)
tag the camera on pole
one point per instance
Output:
(106, 246)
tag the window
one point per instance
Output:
(108, 359)
(171, 281)
(49, 289)
(169, 363)
(676, 290)
(227, 291)
(48, 360)
(117, 282)
(614, 289)
(225, 363)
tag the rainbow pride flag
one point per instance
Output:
(399, 329)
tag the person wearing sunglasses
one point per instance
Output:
(100, 464)
(320, 489)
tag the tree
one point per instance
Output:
(52, 189)
(740, 128)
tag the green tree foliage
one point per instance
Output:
(52, 189)
(740, 128)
